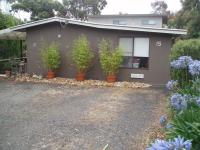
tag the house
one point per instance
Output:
(146, 49)
(144, 20)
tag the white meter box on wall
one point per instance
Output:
(137, 76)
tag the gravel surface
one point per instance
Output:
(59, 117)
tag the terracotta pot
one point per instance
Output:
(111, 78)
(50, 75)
(80, 76)
(8, 73)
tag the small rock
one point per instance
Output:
(66, 81)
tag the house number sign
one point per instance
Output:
(158, 43)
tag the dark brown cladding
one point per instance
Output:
(157, 73)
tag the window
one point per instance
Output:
(120, 22)
(135, 51)
(141, 47)
(148, 22)
(127, 45)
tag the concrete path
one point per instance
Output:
(54, 117)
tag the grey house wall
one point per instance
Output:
(158, 72)
(130, 20)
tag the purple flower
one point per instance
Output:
(163, 120)
(178, 101)
(171, 84)
(180, 143)
(198, 101)
(175, 144)
(184, 61)
(169, 126)
(175, 64)
(181, 63)
(160, 145)
(194, 68)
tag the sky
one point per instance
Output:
(136, 6)
(126, 6)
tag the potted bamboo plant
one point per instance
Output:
(82, 56)
(110, 60)
(51, 59)
(7, 68)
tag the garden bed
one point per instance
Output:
(182, 122)
(67, 81)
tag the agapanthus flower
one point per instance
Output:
(174, 64)
(169, 126)
(194, 68)
(178, 101)
(163, 120)
(175, 144)
(160, 145)
(171, 84)
(180, 143)
(182, 62)
(198, 101)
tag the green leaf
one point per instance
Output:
(82, 55)
(51, 56)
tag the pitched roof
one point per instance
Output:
(22, 27)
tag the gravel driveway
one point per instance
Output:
(55, 117)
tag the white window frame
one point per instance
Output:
(148, 22)
(141, 47)
(129, 49)
(119, 22)
(140, 54)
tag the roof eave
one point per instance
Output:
(130, 28)
(101, 26)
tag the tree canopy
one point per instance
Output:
(188, 17)
(159, 7)
(39, 9)
(78, 9)
(7, 20)
(8, 48)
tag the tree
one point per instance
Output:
(38, 9)
(7, 21)
(159, 7)
(8, 48)
(190, 14)
(188, 17)
(80, 9)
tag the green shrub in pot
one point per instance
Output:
(51, 58)
(110, 59)
(82, 56)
